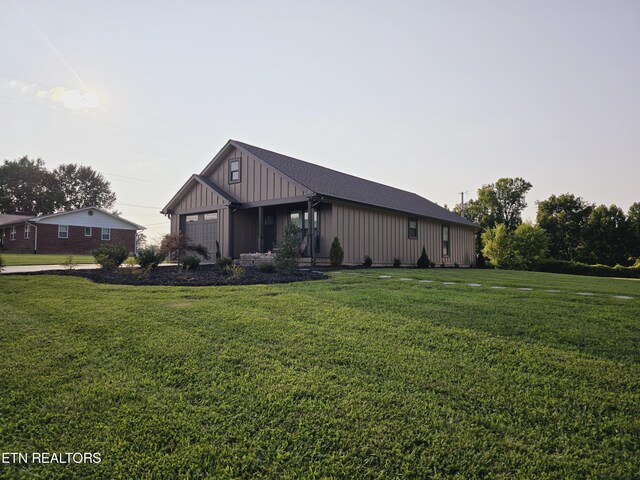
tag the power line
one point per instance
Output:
(144, 180)
(139, 206)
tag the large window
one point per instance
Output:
(413, 227)
(445, 240)
(27, 231)
(234, 170)
(63, 231)
(301, 219)
(106, 234)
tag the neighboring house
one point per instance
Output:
(246, 195)
(73, 232)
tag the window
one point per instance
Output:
(191, 218)
(27, 231)
(211, 216)
(413, 228)
(12, 235)
(301, 219)
(445, 240)
(63, 231)
(106, 234)
(88, 231)
(234, 170)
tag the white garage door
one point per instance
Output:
(202, 228)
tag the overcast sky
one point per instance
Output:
(431, 97)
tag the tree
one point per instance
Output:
(26, 186)
(288, 254)
(520, 249)
(605, 237)
(633, 225)
(83, 187)
(564, 217)
(500, 202)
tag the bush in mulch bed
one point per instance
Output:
(205, 275)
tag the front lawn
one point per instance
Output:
(353, 377)
(19, 259)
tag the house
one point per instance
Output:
(72, 232)
(246, 195)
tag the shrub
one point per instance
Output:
(368, 261)
(480, 261)
(234, 272)
(455, 265)
(519, 249)
(1, 263)
(69, 263)
(423, 261)
(224, 262)
(267, 266)
(288, 251)
(149, 257)
(110, 256)
(336, 253)
(442, 265)
(189, 262)
(577, 268)
(396, 262)
(176, 246)
(218, 254)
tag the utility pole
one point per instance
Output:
(462, 204)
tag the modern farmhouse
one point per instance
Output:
(72, 232)
(246, 195)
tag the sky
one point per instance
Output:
(436, 98)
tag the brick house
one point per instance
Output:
(73, 232)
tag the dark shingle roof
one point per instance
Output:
(8, 219)
(332, 183)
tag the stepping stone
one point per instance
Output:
(426, 281)
(525, 289)
(585, 294)
(405, 279)
(316, 271)
(552, 291)
(448, 283)
(495, 286)
(622, 297)
(384, 276)
(474, 284)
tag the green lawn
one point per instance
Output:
(15, 259)
(352, 377)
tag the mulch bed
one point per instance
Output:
(204, 275)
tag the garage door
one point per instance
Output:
(202, 228)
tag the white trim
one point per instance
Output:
(63, 229)
(108, 232)
(13, 233)
(90, 231)
(27, 231)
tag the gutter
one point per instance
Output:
(35, 236)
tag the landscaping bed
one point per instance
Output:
(204, 275)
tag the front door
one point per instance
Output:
(269, 231)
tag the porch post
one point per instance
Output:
(261, 229)
(310, 230)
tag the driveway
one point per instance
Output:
(44, 268)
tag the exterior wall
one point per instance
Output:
(383, 235)
(199, 199)
(245, 231)
(77, 243)
(258, 181)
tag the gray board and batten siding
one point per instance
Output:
(369, 218)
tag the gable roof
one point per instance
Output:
(331, 183)
(10, 219)
(39, 218)
(228, 198)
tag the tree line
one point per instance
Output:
(567, 228)
(27, 186)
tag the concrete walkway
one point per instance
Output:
(44, 268)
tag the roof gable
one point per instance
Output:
(87, 217)
(325, 181)
(193, 181)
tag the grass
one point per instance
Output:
(19, 259)
(353, 377)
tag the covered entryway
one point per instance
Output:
(202, 228)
